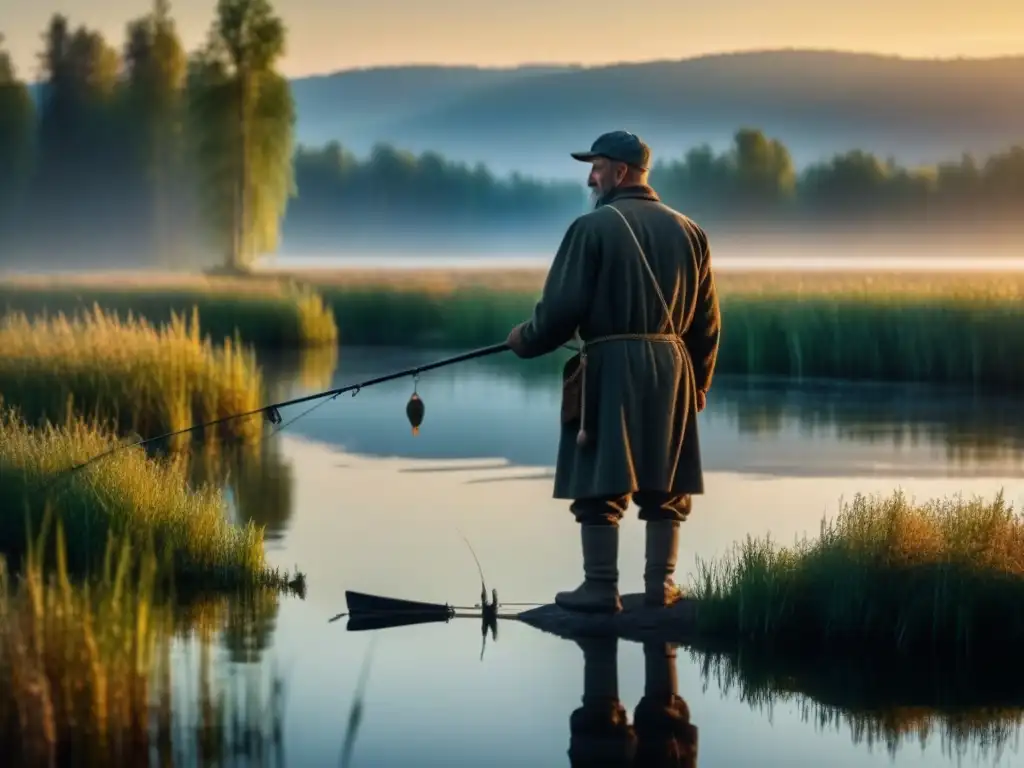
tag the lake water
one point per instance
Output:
(357, 502)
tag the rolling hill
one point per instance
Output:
(817, 102)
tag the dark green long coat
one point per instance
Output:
(640, 395)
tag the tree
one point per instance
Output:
(78, 140)
(854, 180)
(764, 170)
(155, 67)
(17, 128)
(242, 116)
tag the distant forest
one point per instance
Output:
(147, 155)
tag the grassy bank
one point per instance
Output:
(426, 308)
(85, 677)
(888, 576)
(943, 329)
(264, 313)
(963, 329)
(138, 377)
(127, 494)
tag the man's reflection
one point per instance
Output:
(600, 734)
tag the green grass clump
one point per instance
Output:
(266, 313)
(965, 330)
(944, 578)
(85, 675)
(127, 494)
(141, 378)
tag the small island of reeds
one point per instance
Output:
(942, 579)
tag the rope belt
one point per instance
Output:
(663, 338)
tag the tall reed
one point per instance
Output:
(943, 578)
(127, 494)
(129, 373)
(85, 673)
(962, 329)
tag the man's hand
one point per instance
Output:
(515, 340)
(702, 400)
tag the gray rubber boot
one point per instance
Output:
(599, 592)
(662, 549)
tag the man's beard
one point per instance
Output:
(595, 197)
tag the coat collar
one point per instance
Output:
(635, 192)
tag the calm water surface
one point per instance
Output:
(356, 502)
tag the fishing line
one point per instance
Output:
(270, 411)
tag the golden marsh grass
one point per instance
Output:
(129, 373)
(127, 494)
(85, 674)
(267, 313)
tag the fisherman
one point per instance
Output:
(632, 280)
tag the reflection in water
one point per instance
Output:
(245, 622)
(506, 408)
(972, 428)
(600, 733)
(881, 702)
(257, 480)
(262, 490)
(374, 612)
(250, 625)
(216, 725)
(355, 715)
(502, 409)
(291, 371)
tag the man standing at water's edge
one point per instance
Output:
(633, 279)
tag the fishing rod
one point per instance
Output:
(414, 410)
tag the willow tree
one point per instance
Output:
(17, 117)
(155, 65)
(242, 120)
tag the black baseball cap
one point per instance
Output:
(623, 146)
